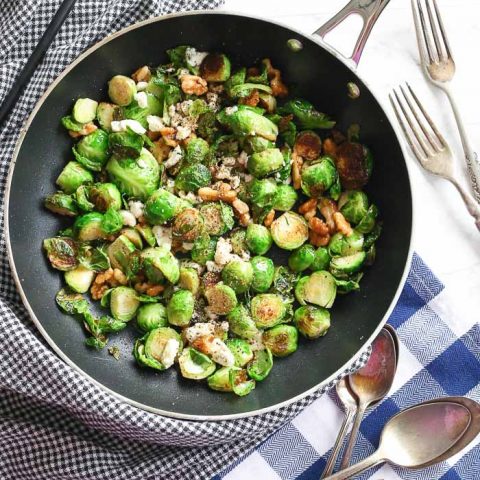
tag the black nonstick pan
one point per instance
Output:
(315, 72)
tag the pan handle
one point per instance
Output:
(369, 10)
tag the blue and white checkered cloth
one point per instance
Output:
(439, 356)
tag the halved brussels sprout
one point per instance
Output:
(268, 309)
(302, 258)
(121, 90)
(188, 225)
(105, 115)
(263, 271)
(220, 380)
(79, 279)
(88, 227)
(241, 384)
(341, 245)
(321, 260)
(71, 303)
(353, 205)
(94, 258)
(348, 285)
(62, 204)
(161, 207)
(119, 252)
(284, 280)
(134, 236)
(189, 280)
(344, 266)
(261, 365)
(62, 252)
(241, 323)
(126, 144)
(84, 110)
(72, 176)
(241, 349)
(159, 262)
(215, 67)
(238, 275)
(158, 348)
(195, 365)
(319, 288)
(367, 223)
(258, 239)
(147, 234)
(218, 218)
(289, 231)
(92, 150)
(237, 240)
(372, 236)
(105, 196)
(256, 144)
(319, 177)
(312, 322)
(281, 340)
(193, 177)
(262, 192)
(247, 122)
(266, 162)
(82, 198)
(180, 308)
(285, 198)
(203, 249)
(197, 150)
(151, 316)
(221, 299)
(308, 145)
(124, 303)
(135, 177)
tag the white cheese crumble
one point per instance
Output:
(223, 251)
(163, 235)
(212, 317)
(187, 246)
(183, 132)
(194, 58)
(231, 110)
(199, 330)
(141, 86)
(128, 218)
(136, 208)
(142, 99)
(190, 196)
(170, 352)
(155, 124)
(175, 156)
(190, 264)
(213, 101)
(243, 158)
(220, 353)
(213, 267)
(123, 125)
(229, 161)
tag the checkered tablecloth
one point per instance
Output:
(439, 356)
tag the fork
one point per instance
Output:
(428, 144)
(439, 67)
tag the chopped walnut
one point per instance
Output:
(279, 89)
(307, 206)
(168, 134)
(193, 85)
(310, 214)
(318, 226)
(98, 291)
(86, 130)
(269, 218)
(161, 150)
(342, 224)
(245, 219)
(252, 100)
(208, 194)
(143, 74)
(329, 147)
(240, 207)
(318, 240)
(327, 208)
(119, 276)
(153, 135)
(297, 162)
(155, 290)
(103, 281)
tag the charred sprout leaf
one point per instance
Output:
(177, 56)
(244, 90)
(261, 365)
(215, 67)
(306, 114)
(126, 144)
(238, 78)
(240, 383)
(193, 177)
(71, 303)
(97, 343)
(283, 281)
(62, 204)
(82, 198)
(94, 258)
(62, 252)
(207, 126)
(262, 76)
(114, 351)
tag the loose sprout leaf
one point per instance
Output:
(71, 124)
(114, 351)
(94, 258)
(306, 115)
(177, 56)
(243, 90)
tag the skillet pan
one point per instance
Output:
(317, 73)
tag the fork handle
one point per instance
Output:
(470, 203)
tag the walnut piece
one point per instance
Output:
(86, 130)
(193, 85)
(269, 218)
(143, 74)
(342, 224)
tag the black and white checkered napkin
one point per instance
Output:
(55, 424)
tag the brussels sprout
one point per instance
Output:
(342, 266)
(207, 127)
(263, 273)
(281, 340)
(318, 177)
(159, 262)
(349, 284)
(237, 240)
(215, 67)
(354, 164)
(89, 227)
(94, 258)
(71, 303)
(112, 222)
(241, 385)
(321, 260)
(195, 365)
(372, 236)
(238, 275)
(188, 225)
(126, 144)
(371, 254)
(218, 217)
(105, 196)
(256, 144)
(245, 121)
(180, 308)
(302, 258)
(285, 198)
(237, 78)
(146, 233)
(203, 249)
(189, 280)
(161, 207)
(124, 303)
(241, 349)
(283, 281)
(266, 162)
(158, 348)
(319, 288)
(121, 90)
(196, 151)
(193, 177)
(341, 245)
(92, 150)
(268, 309)
(62, 253)
(353, 205)
(82, 198)
(119, 252)
(135, 177)
(367, 223)
(308, 145)
(72, 176)
(258, 239)
(289, 231)
(134, 236)
(151, 316)
(79, 279)
(220, 380)
(62, 204)
(306, 115)
(262, 192)
(84, 110)
(221, 299)
(312, 322)
(71, 124)
(106, 113)
(241, 323)
(268, 101)
(261, 365)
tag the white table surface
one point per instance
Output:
(444, 233)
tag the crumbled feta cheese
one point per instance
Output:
(175, 156)
(213, 101)
(123, 125)
(212, 266)
(243, 158)
(212, 317)
(184, 107)
(248, 178)
(136, 208)
(190, 264)
(163, 235)
(155, 124)
(141, 86)
(183, 133)
(187, 246)
(223, 251)
(141, 163)
(235, 181)
(229, 161)
(190, 196)
(231, 110)
(194, 58)
(225, 326)
(182, 72)
(142, 99)
(170, 352)
(257, 341)
(223, 172)
(128, 218)
(220, 353)
(199, 330)
(170, 185)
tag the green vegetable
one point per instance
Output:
(285, 198)
(341, 266)
(319, 177)
(353, 205)
(70, 124)
(281, 340)
(123, 303)
(221, 299)
(263, 272)
(62, 204)
(215, 68)
(188, 225)
(79, 279)
(302, 258)
(105, 196)
(150, 350)
(203, 249)
(119, 252)
(256, 144)
(319, 289)
(195, 365)
(151, 316)
(193, 177)
(268, 309)
(238, 275)
(367, 223)
(321, 260)
(72, 176)
(220, 380)
(312, 322)
(237, 78)
(106, 113)
(92, 150)
(262, 192)
(62, 253)
(289, 231)
(159, 262)
(266, 162)
(261, 365)
(241, 323)
(306, 114)
(84, 110)
(126, 144)
(258, 239)
(89, 227)
(112, 222)
(218, 217)
(180, 308)
(189, 280)
(94, 258)
(241, 349)
(241, 385)
(246, 122)
(121, 90)
(197, 150)
(161, 207)
(147, 234)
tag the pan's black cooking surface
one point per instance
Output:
(315, 74)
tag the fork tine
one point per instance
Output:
(434, 30)
(423, 32)
(424, 57)
(442, 29)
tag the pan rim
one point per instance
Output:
(58, 350)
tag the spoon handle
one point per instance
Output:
(353, 435)
(338, 444)
(359, 467)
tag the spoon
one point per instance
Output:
(372, 382)
(421, 436)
